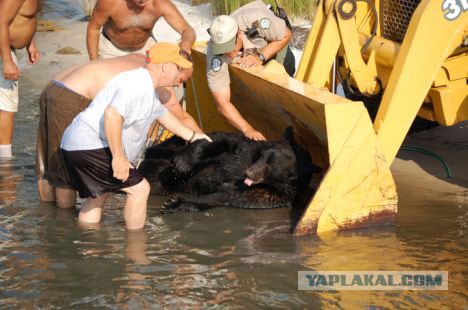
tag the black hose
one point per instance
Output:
(448, 173)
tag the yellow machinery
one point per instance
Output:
(414, 52)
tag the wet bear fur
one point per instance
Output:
(231, 171)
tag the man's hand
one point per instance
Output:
(250, 61)
(121, 167)
(33, 53)
(175, 19)
(185, 54)
(254, 135)
(10, 71)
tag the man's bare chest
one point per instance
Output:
(125, 20)
(28, 10)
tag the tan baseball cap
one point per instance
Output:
(223, 32)
(167, 52)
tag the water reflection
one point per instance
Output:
(9, 180)
(136, 247)
(222, 258)
(405, 247)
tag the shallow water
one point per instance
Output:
(221, 258)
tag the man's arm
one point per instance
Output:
(225, 107)
(9, 9)
(171, 123)
(269, 51)
(169, 99)
(113, 124)
(177, 21)
(97, 20)
(275, 47)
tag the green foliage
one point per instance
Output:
(294, 8)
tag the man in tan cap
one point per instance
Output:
(68, 94)
(102, 143)
(251, 36)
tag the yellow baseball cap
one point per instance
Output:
(167, 52)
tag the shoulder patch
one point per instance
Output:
(216, 63)
(265, 23)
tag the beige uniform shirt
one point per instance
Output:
(270, 28)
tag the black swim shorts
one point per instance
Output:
(92, 172)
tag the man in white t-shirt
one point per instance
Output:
(102, 143)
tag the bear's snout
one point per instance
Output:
(255, 173)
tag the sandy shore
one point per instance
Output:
(416, 174)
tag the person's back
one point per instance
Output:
(69, 93)
(77, 78)
(133, 87)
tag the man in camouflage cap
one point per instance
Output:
(251, 36)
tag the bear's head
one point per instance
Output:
(275, 166)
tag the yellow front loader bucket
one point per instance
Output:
(357, 189)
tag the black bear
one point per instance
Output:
(231, 171)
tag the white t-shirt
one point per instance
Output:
(132, 94)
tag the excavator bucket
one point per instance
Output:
(370, 47)
(357, 189)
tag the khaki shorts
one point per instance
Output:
(108, 50)
(8, 90)
(58, 106)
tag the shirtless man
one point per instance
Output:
(127, 27)
(17, 28)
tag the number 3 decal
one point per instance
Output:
(453, 8)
